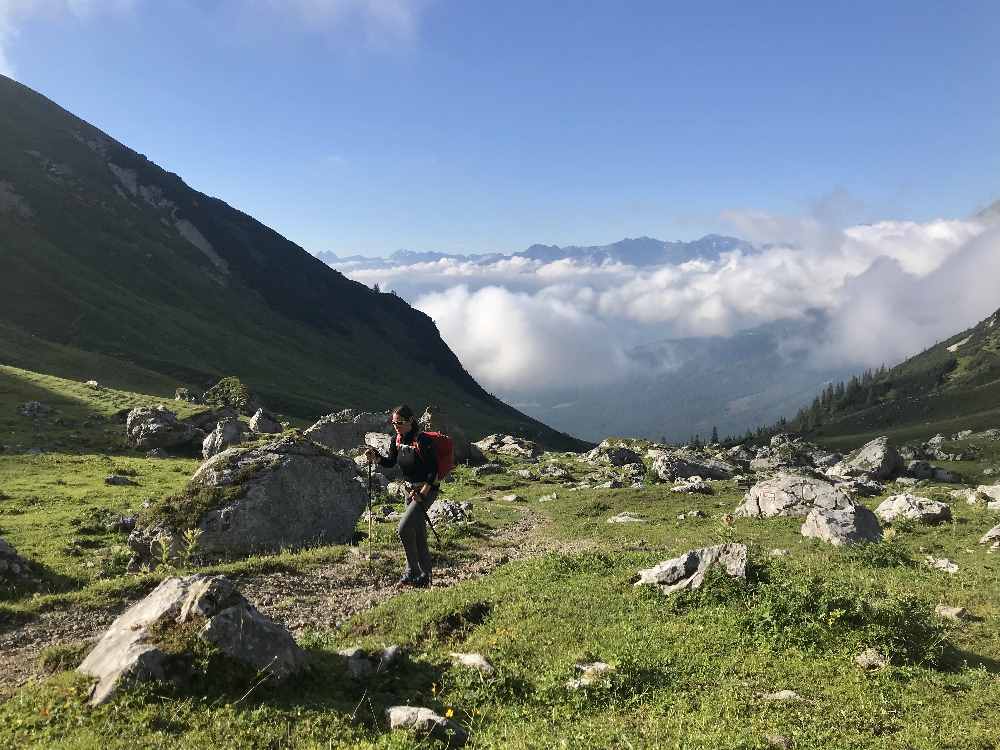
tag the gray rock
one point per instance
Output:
(694, 485)
(877, 459)
(919, 469)
(13, 567)
(626, 517)
(477, 662)
(553, 471)
(680, 464)
(447, 511)
(150, 427)
(913, 508)
(791, 495)
(346, 429)
(942, 564)
(591, 674)
(227, 433)
(129, 650)
(781, 695)
(548, 498)
(286, 493)
(512, 498)
(207, 419)
(157, 453)
(843, 526)
(993, 535)
(361, 664)
(423, 722)
(487, 470)
(689, 570)
(691, 514)
(116, 480)
(871, 659)
(33, 409)
(956, 614)
(508, 445)
(946, 476)
(263, 423)
(861, 486)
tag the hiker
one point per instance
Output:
(416, 455)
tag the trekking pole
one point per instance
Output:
(429, 522)
(369, 512)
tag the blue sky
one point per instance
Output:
(355, 126)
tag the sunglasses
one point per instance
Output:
(400, 424)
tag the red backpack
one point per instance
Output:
(444, 451)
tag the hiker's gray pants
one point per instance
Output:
(413, 534)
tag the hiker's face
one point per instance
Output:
(401, 425)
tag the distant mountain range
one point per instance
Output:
(106, 258)
(639, 252)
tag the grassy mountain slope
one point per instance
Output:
(102, 252)
(953, 385)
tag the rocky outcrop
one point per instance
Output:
(227, 433)
(423, 722)
(149, 427)
(346, 429)
(508, 445)
(446, 511)
(791, 495)
(843, 526)
(207, 419)
(689, 570)
(681, 464)
(288, 492)
(207, 608)
(264, 423)
(877, 459)
(913, 508)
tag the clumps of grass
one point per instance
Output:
(456, 625)
(887, 554)
(62, 657)
(185, 509)
(591, 509)
(124, 471)
(194, 664)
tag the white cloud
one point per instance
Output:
(511, 340)
(888, 289)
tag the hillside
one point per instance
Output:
(111, 264)
(953, 385)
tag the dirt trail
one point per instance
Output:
(321, 597)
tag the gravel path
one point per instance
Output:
(321, 597)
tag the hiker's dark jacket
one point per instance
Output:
(418, 464)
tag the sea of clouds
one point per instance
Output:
(886, 290)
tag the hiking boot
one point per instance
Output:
(408, 579)
(422, 581)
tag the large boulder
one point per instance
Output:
(466, 452)
(683, 464)
(346, 429)
(264, 423)
(425, 723)
(877, 459)
(508, 445)
(842, 526)
(232, 393)
(689, 570)
(149, 427)
(206, 608)
(288, 492)
(913, 508)
(207, 419)
(791, 495)
(226, 434)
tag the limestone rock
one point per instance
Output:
(288, 492)
(781, 695)
(487, 469)
(919, 469)
(117, 480)
(591, 674)
(694, 485)
(207, 419)
(508, 445)
(447, 511)
(512, 498)
(346, 429)
(791, 495)
(684, 464)
(942, 564)
(951, 613)
(129, 649)
(626, 517)
(361, 664)
(226, 434)
(913, 508)
(871, 659)
(877, 459)
(689, 570)
(473, 661)
(842, 526)
(423, 722)
(263, 423)
(993, 535)
(149, 427)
